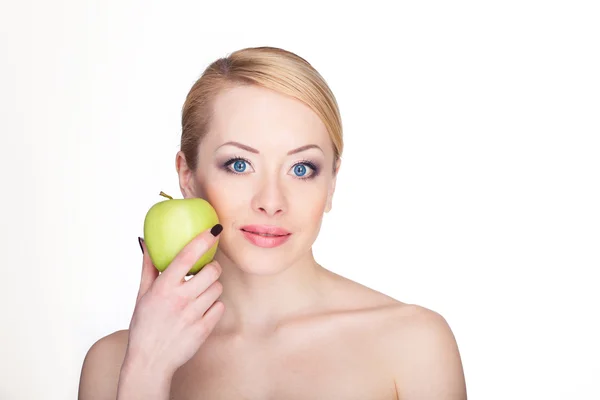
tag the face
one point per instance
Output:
(266, 163)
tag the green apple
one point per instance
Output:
(171, 224)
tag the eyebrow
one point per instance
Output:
(253, 150)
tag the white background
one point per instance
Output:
(470, 183)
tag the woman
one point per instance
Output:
(262, 141)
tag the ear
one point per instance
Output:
(186, 176)
(331, 190)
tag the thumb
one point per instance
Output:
(149, 271)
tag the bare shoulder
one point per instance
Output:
(416, 344)
(423, 354)
(102, 366)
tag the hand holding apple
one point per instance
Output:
(172, 318)
(171, 224)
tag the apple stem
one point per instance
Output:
(165, 195)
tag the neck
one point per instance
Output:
(259, 303)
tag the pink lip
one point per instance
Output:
(252, 233)
(270, 229)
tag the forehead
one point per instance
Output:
(263, 118)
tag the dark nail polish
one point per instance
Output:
(140, 240)
(216, 229)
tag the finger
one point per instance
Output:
(187, 257)
(196, 285)
(149, 271)
(201, 305)
(210, 319)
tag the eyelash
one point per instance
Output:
(308, 163)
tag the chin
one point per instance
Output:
(264, 268)
(257, 263)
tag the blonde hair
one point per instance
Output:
(269, 67)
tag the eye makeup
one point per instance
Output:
(226, 166)
(316, 169)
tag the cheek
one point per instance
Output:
(226, 198)
(309, 204)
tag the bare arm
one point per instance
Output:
(136, 381)
(428, 364)
(171, 320)
(107, 375)
(101, 366)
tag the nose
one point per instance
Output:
(270, 199)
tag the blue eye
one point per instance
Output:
(305, 170)
(300, 170)
(239, 165)
(243, 166)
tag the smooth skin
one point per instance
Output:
(269, 323)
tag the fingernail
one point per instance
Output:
(216, 229)
(140, 240)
